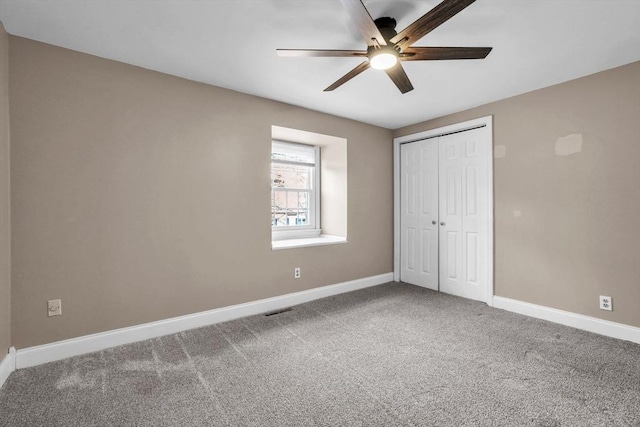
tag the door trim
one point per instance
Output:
(458, 127)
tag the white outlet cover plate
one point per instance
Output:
(606, 303)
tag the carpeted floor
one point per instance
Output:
(392, 355)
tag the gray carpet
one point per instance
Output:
(392, 355)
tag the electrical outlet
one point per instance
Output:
(296, 273)
(54, 307)
(606, 303)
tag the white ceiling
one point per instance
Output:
(233, 44)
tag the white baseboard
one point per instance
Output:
(7, 365)
(38, 355)
(579, 321)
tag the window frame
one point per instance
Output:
(313, 229)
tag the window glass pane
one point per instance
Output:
(291, 176)
(278, 208)
(303, 209)
(289, 208)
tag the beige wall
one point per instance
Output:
(5, 209)
(121, 205)
(567, 227)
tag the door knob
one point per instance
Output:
(433, 222)
(442, 223)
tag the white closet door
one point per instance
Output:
(463, 214)
(419, 213)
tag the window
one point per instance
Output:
(295, 190)
(297, 199)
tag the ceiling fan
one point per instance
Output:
(386, 48)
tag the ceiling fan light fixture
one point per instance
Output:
(383, 60)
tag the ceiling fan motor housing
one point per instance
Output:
(387, 27)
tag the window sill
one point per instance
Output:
(324, 239)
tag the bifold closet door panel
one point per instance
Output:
(463, 176)
(419, 213)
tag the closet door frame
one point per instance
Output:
(458, 127)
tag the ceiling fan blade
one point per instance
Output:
(399, 77)
(361, 18)
(320, 52)
(351, 74)
(429, 21)
(436, 53)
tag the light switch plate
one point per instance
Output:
(54, 307)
